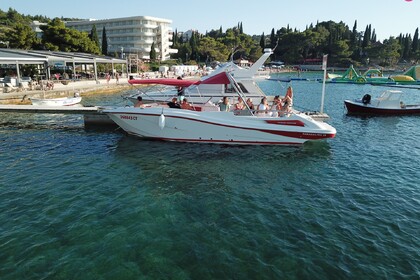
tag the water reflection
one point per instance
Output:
(170, 167)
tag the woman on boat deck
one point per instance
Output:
(263, 107)
(224, 106)
(240, 105)
(288, 99)
(277, 108)
(186, 105)
(250, 104)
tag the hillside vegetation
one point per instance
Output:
(344, 46)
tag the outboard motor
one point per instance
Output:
(366, 99)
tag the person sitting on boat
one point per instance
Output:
(174, 103)
(240, 105)
(288, 99)
(263, 107)
(139, 103)
(224, 105)
(250, 104)
(185, 105)
(277, 108)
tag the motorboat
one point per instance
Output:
(388, 103)
(205, 123)
(62, 101)
(200, 92)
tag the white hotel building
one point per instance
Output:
(132, 35)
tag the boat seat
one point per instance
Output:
(207, 108)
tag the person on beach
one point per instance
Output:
(117, 77)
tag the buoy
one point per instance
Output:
(162, 121)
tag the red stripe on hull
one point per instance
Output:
(292, 134)
(286, 122)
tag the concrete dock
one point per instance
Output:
(93, 116)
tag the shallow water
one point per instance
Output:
(92, 204)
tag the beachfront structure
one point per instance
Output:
(132, 35)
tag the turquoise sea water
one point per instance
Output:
(93, 204)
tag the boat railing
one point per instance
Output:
(239, 91)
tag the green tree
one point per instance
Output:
(104, 42)
(57, 37)
(21, 36)
(366, 37)
(262, 41)
(94, 35)
(212, 49)
(273, 39)
(152, 52)
(194, 46)
(354, 41)
(415, 44)
(390, 52)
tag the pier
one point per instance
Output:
(92, 115)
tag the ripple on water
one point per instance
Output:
(82, 204)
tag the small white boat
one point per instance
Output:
(388, 103)
(63, 101)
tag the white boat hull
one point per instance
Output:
(65, 101)
(219, 127)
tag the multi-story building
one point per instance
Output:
(36, 27)
(132, 35)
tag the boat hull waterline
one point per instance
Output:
(219, 127)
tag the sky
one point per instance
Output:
(387, 17)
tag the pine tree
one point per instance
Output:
(406, 47)
(262, 41)
(272, 39)
(366, 37)
(415, 44)
(94, 36)
(152, 52)
(353, 40)
(373, 37)
(104, 42)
